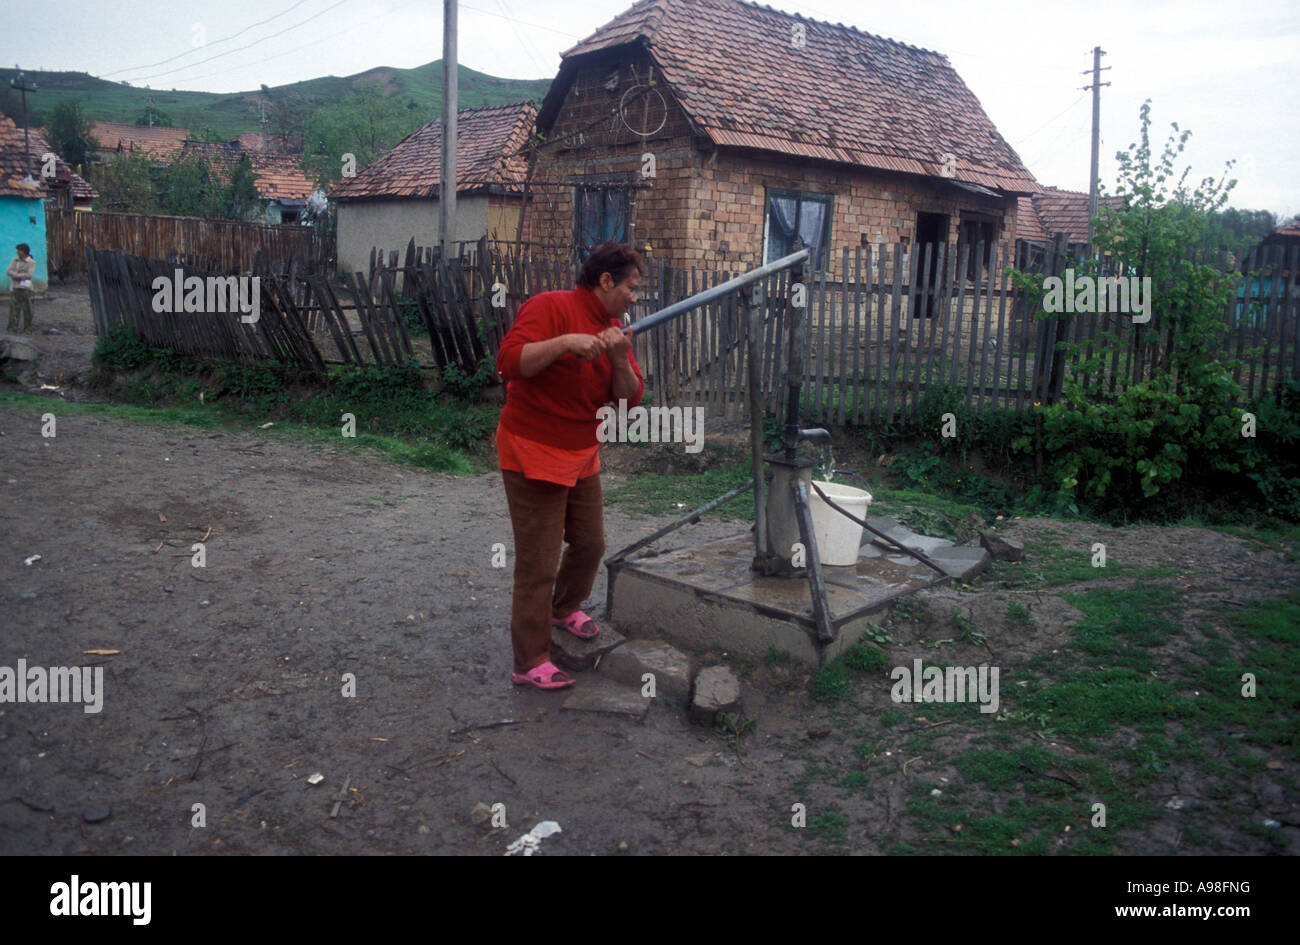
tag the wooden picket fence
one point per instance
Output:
(307, 320)
(884, 325)
(879, 336)
(230, 245)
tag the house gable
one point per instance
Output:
(754, 78)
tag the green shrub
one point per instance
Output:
(120, 349)
(469, 387)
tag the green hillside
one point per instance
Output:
(229, 114)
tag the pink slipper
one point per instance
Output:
(577, 623)
(545, 676)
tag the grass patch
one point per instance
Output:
(386, 409)
(831, 684)
(1117, 622)
(928, 514)
(1047, 564)
(658, 494)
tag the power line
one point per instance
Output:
(255, 42)
(528, 45)
(1041, 127)
(215, 42)
(341, 31)
(536, 26)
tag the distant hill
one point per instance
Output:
(230, 114)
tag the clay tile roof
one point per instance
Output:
(1288, 229)
(489, 143)
(64, 174)
(220, 155)
(162, 144)
(256, 141)
(1028, 225)
(277, 176)
(1066, 211)
(844, 96)
(13, 164)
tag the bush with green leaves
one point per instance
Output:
(120, 349)
(468, 386)
(1178, 433)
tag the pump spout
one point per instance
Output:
(816, 434)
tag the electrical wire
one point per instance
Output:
(255, 42)
(215, 42)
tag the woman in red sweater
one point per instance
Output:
(567, 355)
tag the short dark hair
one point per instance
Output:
(23, 247)
(618, 259)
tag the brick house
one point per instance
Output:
(719, 132)
(396, 197)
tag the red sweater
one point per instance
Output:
(558, 406)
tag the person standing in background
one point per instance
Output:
(20, 273)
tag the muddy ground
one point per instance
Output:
(226, 689)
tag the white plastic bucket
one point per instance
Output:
(839, 538)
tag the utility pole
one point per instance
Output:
(148, 110)
(447, 177)
(1097, 70)
(19, 82)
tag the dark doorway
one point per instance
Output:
(931, 230)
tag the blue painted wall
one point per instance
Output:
(22, 220)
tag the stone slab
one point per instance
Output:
(597, 694)
(670, 667)
(716, 690)
(16, 348)
(1001, 547)
(578, 655)
(962, 563)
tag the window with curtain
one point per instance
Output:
(797, 216)
(600, 214)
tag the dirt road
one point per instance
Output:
(227, 685)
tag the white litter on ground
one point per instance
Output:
(529, 842)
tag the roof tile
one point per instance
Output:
(843, 95)
(1066, 211)
(162, 144)
(489, 152)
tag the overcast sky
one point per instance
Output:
(1228, 72)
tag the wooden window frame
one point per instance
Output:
(798, 196)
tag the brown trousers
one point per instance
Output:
(545, 515)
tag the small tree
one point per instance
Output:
(70, 132)
(155, 117)
(190, 188)
(365, 124)
(241, 199)
(1179, 426)
(125, 184)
